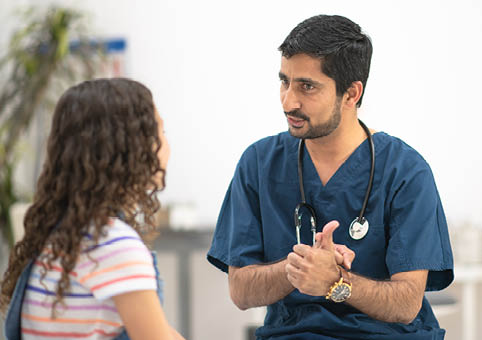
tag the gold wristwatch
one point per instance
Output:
(341, 289)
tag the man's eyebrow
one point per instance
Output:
(308, 81)
(283, 76)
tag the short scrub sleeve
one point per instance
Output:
(237, 239)
(418, 233)
(119, 263)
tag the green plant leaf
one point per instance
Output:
(36, 59)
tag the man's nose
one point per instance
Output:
(290, 100)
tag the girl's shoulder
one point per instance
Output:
(116, 234)
(116, 263)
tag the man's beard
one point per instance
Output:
(318, 131)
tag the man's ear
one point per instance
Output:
(353, 93)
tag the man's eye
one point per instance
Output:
(284, 82)
(308, 87)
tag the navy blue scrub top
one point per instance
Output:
(408, 231)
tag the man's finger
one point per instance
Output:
(327, 240)
(292, 280)
(302, 249)
(295, 260)
(347, 253)
(339, 258)
(290, 269)
(318, 240)
(347, 261)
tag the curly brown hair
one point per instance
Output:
(101, 160)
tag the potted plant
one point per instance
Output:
(39, 64)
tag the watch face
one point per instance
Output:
(341, 293)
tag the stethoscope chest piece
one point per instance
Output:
(358, 230)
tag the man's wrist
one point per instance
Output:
(346, 274)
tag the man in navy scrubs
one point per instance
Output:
(403, 250)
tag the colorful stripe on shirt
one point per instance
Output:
(48, 292)
(64, 335)
(73, 321)
(113, 268)
(114, 240)
(108, 255)
(65, 306)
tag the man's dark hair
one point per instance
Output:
(345, 52)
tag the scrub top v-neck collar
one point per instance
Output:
(343, 174)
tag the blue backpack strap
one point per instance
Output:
(12, 328)
(160, 282)
(122, 336)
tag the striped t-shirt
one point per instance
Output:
(119, 263)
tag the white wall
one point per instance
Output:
(212, 66)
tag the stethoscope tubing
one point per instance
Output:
(372, 172)
(360, 219)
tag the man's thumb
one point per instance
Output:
(327, 240)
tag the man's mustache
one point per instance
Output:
(297, 114)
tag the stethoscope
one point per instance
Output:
(359, 227)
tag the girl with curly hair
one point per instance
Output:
(82, 269)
